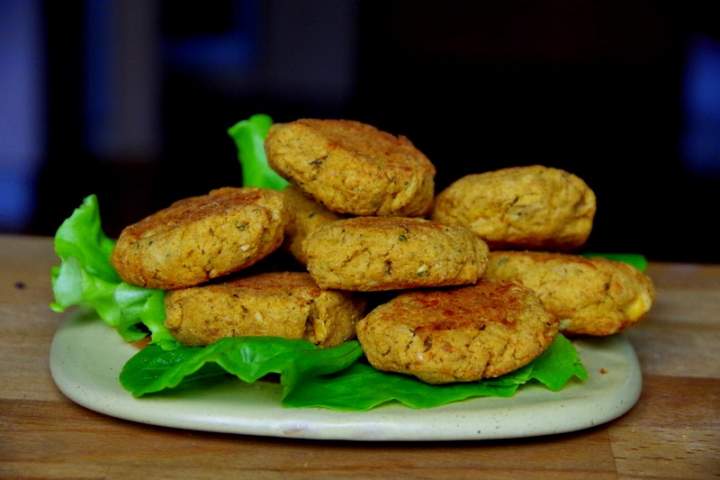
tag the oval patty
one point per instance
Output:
(353, 168)
(528, 207)
(588, 296)
(458, 335)
(201, 238)
(390, 253)
(287, 304)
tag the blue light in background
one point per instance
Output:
(21, 111)
(233, 51)
(98, 74)
(701, 142)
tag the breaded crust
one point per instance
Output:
(353, 168)
(200, 238)
(305, 215)
(527, 207)
(286, 304)
(390, 253)
(458, 335)
(588, 296)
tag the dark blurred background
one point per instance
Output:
(131, 100)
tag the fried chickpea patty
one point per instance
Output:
(389, 253)
(528, 207)
(588, 296)
(305, 215)
(351, 167)
(200, 238)
(458, 335)
(286, 304)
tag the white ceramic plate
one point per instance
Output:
(87, 356)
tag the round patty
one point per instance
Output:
(528, 207)
(390, 253)
(458, 335)
(305, 215)
(285, 304)
(588, 296)
(200, 238)
(353, 168)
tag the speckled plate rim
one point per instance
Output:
(86, 357)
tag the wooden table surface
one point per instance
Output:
(673, 432)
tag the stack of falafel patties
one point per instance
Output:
(354, 216)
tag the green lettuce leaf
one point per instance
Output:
(330, 378)
(249, 136)
(635, 259)
(86, 278)
(348, 389)
(248, 358)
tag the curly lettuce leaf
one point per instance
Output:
(86, 278)
(331, 378)
(81, 237)
(249, 358)
(249, 136)
(635, 259)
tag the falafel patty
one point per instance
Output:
(588, 296)
(527, 207)
(305, 215)
(353, 168)
(458, 335)
(200, 238)
(286, 304)
(390, 253)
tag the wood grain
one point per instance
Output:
(674, 431)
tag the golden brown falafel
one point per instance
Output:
(353, 168)
(286, 304)
(527, 207)
(458, 335)
(390, 253)
(305, 215)
(589, 296)
(200, 238)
